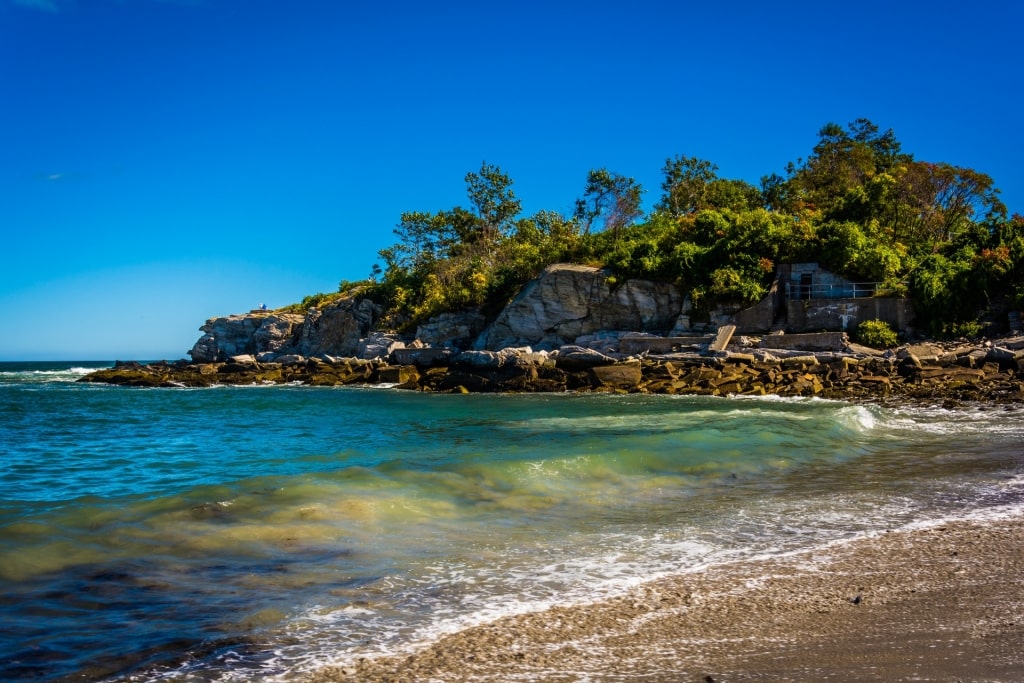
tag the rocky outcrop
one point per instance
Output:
(570, 301)
(566, 304)
(337, 329)
(573, 329)
(340, 329)
(254, 333)
(457, 329)
(949, 375)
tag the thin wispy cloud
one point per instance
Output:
(57, 177)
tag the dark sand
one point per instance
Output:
(939, 604)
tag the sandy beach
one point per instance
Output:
(944, 603)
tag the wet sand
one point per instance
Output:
(938, 604)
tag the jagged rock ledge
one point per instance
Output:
(948, 374)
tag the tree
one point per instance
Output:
(423, 239)
(738, 195)
(490, 193)
(775, 192)
(835, 175)
(609, 199)
(685, 186)
(936, 202)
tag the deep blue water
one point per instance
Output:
(256, 533)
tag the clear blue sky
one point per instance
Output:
(166, 161)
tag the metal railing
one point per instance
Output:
(847, 290)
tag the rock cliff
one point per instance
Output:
(335, 330)
(570, 301)
(563, 305)
(252, 333)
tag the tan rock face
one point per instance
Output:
(235, 335)
(568, 301)
(337, 329)
(276, 332)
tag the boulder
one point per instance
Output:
(579, 358)
(1005, 356)
(424, 356)
(276, 332)
(397, 374)
(924, 353)
(480, 360)
(228, 336)
(619, 376)
(569, 301)
(457, 329)
(378, 345)
(493, 360)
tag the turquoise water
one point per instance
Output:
(256, 533)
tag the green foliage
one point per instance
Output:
(686, 184)
(737, 284)
(610, 200)
(313, 301)
(857, 204)
(876, 334)
(971, 329)
(942, 291)
(490, 193)
(737, 195)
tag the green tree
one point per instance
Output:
(935, 202)
(490, 193)
(610, 200)
(738, 195)
(776, 192)
(940, 287)
(423, 238)
(685, 187)
(841, 164)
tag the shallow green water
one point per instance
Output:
(250, 533)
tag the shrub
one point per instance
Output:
(876, 334)
(970, 329)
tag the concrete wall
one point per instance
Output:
(813, 315)
(759, 318)
(811, 281)
(818, 341)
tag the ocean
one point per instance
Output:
(259, 533)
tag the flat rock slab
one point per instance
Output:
(724, 337)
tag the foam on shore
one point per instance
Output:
(933, 601)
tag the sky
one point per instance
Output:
(167, 161)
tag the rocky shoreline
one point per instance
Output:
(573, 330)
(948, 373)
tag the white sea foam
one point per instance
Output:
(69, 374)
(447, 598)
(942, 421)
(517, 504)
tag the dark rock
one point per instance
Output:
(579, 358)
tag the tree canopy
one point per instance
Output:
(858, 204)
